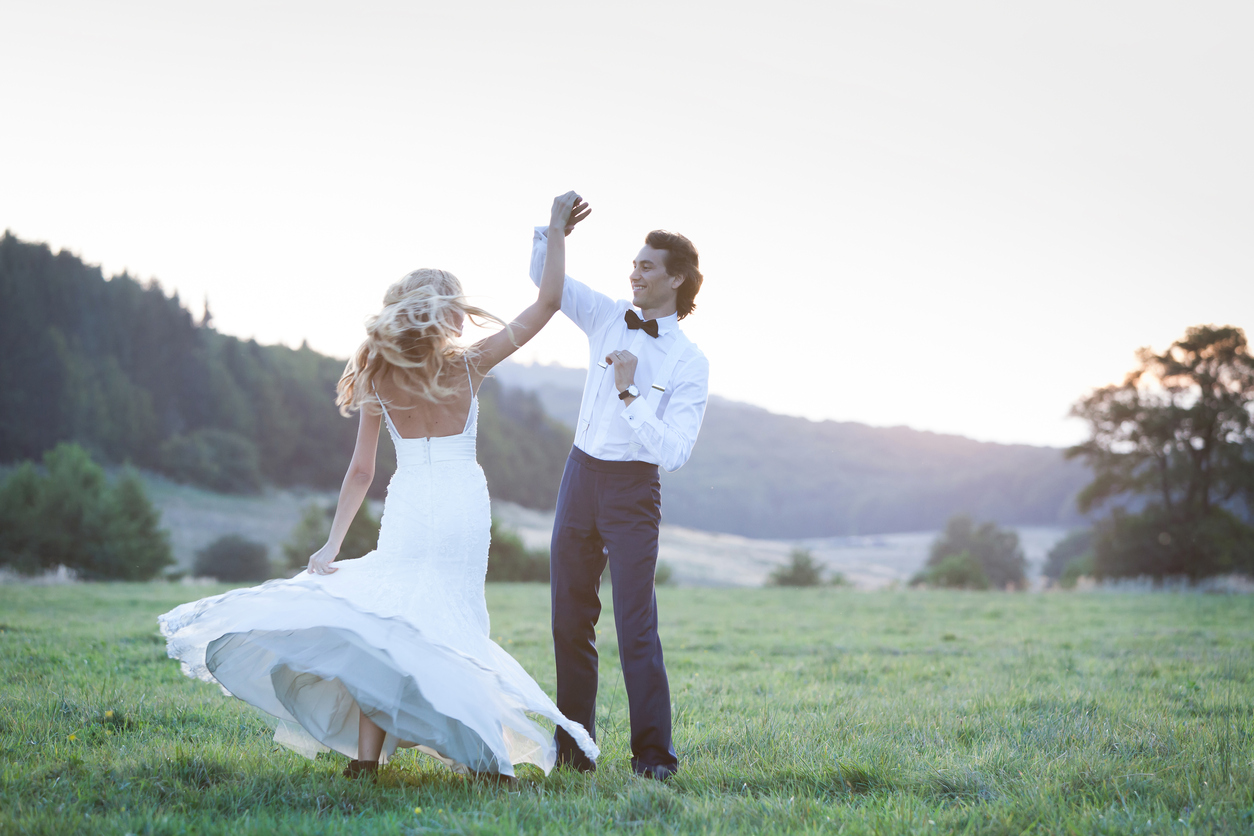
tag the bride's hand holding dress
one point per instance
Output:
(320, 561)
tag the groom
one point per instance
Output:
(643, 402)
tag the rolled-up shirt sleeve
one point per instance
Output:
(585, 307)
(671, 438)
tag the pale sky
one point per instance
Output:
(956, 216)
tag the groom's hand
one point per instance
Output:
(624, 363)
(578, 212)
(568, 210)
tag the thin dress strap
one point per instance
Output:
(473, 414)
(386, 417)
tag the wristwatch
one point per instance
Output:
(630, 392)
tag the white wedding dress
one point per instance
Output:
(401, 633)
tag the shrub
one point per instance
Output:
(1076, 545)
(802, 570)
(71, 516)
(996, 550)
(310, 534)
(510, 560)
(663, 574)
(232, 558)
(214, 459)
(1075, 569)
(956, 571)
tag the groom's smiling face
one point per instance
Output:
(652, 288)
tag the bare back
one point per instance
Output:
(416, 417)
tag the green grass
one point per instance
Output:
(797, 710)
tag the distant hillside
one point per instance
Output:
(759, 474)
(124, 370)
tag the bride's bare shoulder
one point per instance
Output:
(398, 396)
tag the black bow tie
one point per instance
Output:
(635, 323)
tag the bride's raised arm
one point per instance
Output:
(568, 210)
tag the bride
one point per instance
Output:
(393, 649)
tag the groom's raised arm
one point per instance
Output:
(585, 307)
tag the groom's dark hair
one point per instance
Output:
(681, 260)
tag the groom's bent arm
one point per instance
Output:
(586, 308)
(671, 438)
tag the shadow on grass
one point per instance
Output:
(823, 783)
(965, 785)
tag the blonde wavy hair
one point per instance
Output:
(413, 338)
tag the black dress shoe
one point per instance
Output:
(508, 781)
(356, 769)
(583, 765)
(657, 773)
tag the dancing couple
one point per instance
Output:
(393, 649)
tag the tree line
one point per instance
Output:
(127, 375)
(125, 371)
(760, 474)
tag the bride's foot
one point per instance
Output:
(357, 769)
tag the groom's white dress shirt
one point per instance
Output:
(608, 428)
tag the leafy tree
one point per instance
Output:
(134, 547)
(1076, 546)
(1076, 569)
(20, 528)
(71, 516)
(1155, 543)
(314, 527)
(956, 571)
(801, 570)
(995, 550)
(510, 560)
(232, 558)
(1175, 438)
(216, 459)
(309, 535)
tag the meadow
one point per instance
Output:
(796, 710)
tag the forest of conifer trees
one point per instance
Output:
(126, 371)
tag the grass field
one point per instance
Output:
(796, 710)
